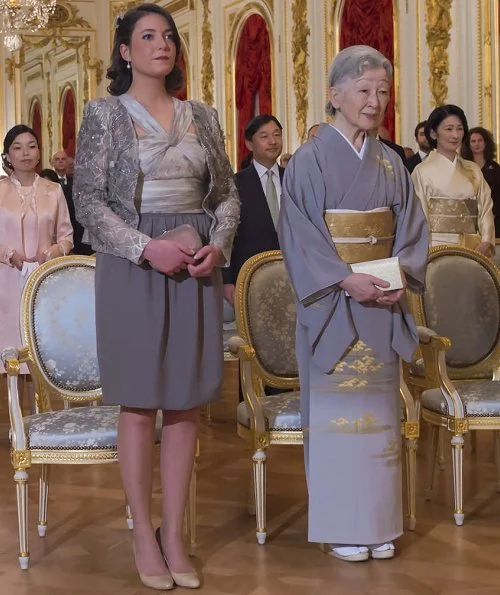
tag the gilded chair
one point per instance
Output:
(59, 346)
(265, 346)
(459, 315)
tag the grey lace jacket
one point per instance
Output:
(107, 173)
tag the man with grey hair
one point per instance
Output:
(60, 164)
(348, 199)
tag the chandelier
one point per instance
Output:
(27, 15)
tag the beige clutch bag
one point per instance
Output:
(186, 235)
(387, 269)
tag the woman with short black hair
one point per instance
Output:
(454, 194)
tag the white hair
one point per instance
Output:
(351, 63)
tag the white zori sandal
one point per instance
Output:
(383, 552)
(349, 553)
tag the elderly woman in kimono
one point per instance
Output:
(350, 332)
(454, 194)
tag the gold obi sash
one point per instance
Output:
(451, 215)
(361, 235)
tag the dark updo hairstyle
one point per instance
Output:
(49, 174)
(11, 136)
(438, 115)
(118, 73)
(489, 144)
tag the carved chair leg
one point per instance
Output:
(128, 515)
(259, 478)
(43, 500)
(497, 457)
(21, 479)
(251, 497)
(457, 443)
(433, 447)
(441, 455)
(411, 481)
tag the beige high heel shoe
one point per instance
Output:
(188, 580)
(163, 582)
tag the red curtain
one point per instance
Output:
(252, 76)
(36, 124)
(371, 23)
(182, 94)
(68, 123)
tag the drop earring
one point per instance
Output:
(129, 65)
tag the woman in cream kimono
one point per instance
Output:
(454, 194)
(34, 227)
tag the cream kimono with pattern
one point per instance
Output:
(438, 177)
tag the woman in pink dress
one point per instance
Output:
(34, 227)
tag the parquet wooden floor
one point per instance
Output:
(87, 547)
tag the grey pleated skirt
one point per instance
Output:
(159, 338)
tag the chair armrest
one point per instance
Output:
(12, 360)
(251, 383)
(433, 347)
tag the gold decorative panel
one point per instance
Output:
(438, 25)
(300, 53)
(234, 20)
(207, 77)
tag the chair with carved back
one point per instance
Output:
(265, 345)
(57, 317)
(459, 318)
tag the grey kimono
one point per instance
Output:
(348, 353)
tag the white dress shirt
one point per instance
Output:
(423, 155)
(262, 172)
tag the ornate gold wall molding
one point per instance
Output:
(438, 26)
(207, 77)
(234, 20)
(333, 20)
(67, 30)
(333, 14)
(300, 54)
(486, 35)
(495, 34)
(49, 121)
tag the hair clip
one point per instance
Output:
(118, 21)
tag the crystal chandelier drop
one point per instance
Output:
(27, 15)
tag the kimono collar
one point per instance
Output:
(360, 153)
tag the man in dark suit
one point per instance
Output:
(423, 147)
(60, 163)
(259, 187)
(383, 136)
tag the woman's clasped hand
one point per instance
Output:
(169, 257)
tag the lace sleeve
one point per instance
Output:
(228, 209)
(90, 187)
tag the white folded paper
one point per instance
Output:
(28, 268)
(387, 269)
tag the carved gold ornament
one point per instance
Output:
(438, 22)
(300, 53)
(207, 77)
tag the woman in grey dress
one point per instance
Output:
(148, 163)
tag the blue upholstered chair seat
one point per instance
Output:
(481, 398)
(79, 428)
(282, 412)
